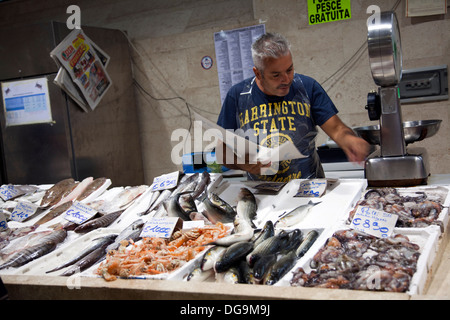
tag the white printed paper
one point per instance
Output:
(79, 213)
(26, 102)
(161, 227)
(233, 55)
(165, 181)
(23, 210)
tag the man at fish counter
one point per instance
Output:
(279, 105)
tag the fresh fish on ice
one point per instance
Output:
(54, 212)
(79, 189)
(246, 206)
(94, 189)
(100, 222)
(55, 193)
(295, 216)
(133, 232)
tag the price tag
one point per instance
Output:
(374, 222)
(23, 210)
(161, 227)
(8, 191)
(312, 188)
(166, 181)
(79, 213)
(3, 223)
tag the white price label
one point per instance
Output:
(166, 181)
(8, 191)
(312, 188)
(79, 213)
(161, 227)
(3, 222)
(23, 210)
(374, 222)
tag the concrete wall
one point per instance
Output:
(171, 37)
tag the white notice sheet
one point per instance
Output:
(233, 55)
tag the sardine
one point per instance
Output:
(211, 256)
(91, 188)
(307, 242)
(55, 193)
(89, 260)
(295, 216)
(132, 232)
(45, 246)
(96, 223)
(269, 246)
(53, 213)
(262, 266)
(267, 232)
(99, 243)
(246, 206)
(232, 255)
(217, 210)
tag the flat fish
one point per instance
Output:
(54, 212)
(55, 193)
(91, 188)
(123, 199)
(45, 246)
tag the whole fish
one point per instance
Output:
(232, 255)
(173, 207)
(199, 275)
(217, 210)
(99, 243)
(232, 275)
(295, 216)
(243, 232)
(287, 262)
(211, 256)
(262, 266)
(89, 260)
(96, 223)
(307, 242)
(280, 268)
(205, 179)
(187, 204)
(55, 193)
(91, 188)
(269, 246)
(75, 192)
(133, 232)
(246, 206)
(53, 213)
(46, 245)
(267, 232)
(163, 196)
(123, 199)
(295, 239)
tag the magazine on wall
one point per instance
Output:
(86, 64)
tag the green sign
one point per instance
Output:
(321, 11)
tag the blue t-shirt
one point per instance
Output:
(274, 120)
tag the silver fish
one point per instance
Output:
(295, 216)
(99, 243)
(45, 246)
(173, 207)
(232, 255)
(217, 210)
(232, 275)
(269, 246)
(243, 232)
(205, 179)
(280, 268)
(199, 275)
(133, 232)
(89, 260)
(307, 242)
(211, 256)
(246, 206)
(163, 196)
(100, 222)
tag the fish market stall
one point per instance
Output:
(296, 240)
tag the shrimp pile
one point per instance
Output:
(353, 260)
(412, 211)
(153, 256)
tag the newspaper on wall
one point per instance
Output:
(86, 64)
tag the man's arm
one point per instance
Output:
(354, 147)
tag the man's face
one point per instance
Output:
(276, 79)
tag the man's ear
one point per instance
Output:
(257, 73)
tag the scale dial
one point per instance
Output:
(385, 53)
